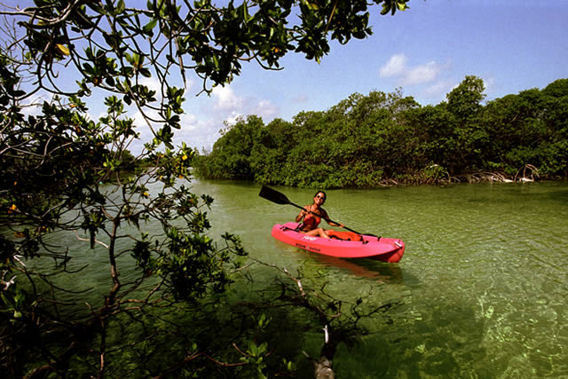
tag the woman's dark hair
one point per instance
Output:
(324, 195)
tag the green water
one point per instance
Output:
(481, 290)
(482, 287)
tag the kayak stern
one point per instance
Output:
(383, 249)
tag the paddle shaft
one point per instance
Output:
(280, 198)
(328, 220)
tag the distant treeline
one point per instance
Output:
(367, 141)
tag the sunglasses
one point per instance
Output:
(320, 197)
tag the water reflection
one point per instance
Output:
(366, 268)
(482, 286)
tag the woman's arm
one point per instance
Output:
(301, 215)
(326, 218)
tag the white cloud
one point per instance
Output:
(198, 133)
(232, 118)
(153, 84)
(226, 99)
(188, 121)
(266, 109)
(439, 89)
(198, 129)
(397, 67)
(490, 84)
(32, 106)
(206, 115)
(421, 74)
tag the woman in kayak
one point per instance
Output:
(311, 216)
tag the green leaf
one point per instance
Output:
(149, 27)
(120, 7)
(145, 72)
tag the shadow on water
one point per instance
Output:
(480, 291)
(391, 273)
(560, 195)
(366, 268)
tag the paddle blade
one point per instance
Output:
(273, 195)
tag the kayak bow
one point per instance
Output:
(382, 249)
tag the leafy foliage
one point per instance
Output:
(68, 175)
(378, 139)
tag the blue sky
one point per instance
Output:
(427, 50)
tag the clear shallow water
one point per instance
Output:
(482, 287)
(480, 292)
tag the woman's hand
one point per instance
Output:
(302, 214)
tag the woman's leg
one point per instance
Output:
(318, 232)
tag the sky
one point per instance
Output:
(427, 50)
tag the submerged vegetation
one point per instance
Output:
(384, 139)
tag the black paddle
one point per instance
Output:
(280, 198)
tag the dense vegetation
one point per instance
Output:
(160, 304)
(366, 141)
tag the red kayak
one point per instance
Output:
(360, 246)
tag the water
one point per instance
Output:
(480, 292)
(482, 287)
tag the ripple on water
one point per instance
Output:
(481, 290)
